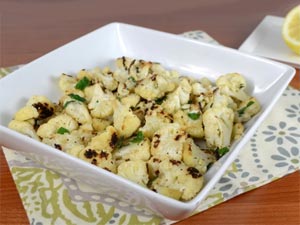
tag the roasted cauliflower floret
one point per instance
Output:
(128, 67)
(180, 96)
(107, 79)
(191, 122)
(193, 156)
(247, 110)
(37, 107)
(233, 85)
(88, 74)
(135, 170)
(153, 167)
(198, 89)
(77, 109)
(100, 125)
(84, 134)
(153, 87)
(177, 180)
(122, 90)
(170, 75)
(134, 151)
(131, 100)
(218, 122)
(26, 113)
(168, 142)
(100, 105)
(75, 150)
(67, 83)
(49, 129)
(221, 100)
(155, 118)
(64, 142)
(100, 158)
(125, 121)
(23, 127)
(105, 141)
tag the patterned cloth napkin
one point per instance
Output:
(51, 198)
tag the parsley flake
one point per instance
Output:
(77, 97)
(242, 110)
(132, 79)
(138, 138)
(222, 151)
(67, 103)
(194, 116)
(62, 130)
(83, 83)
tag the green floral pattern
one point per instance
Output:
(51, 198)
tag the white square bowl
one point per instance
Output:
(267, 80)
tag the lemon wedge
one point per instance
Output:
(291, 29)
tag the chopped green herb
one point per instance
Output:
(77, 97)
(62, 130)
(67, 103)
(83, 83)
(194, 116)
(242, 110)
(159, 101)
(138, 138)
(132, 79)
(222, 151)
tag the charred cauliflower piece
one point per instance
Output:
(77, 109)
(47, 130)
(106, 78)
(100, 105)
(64, 142)
(193, 156)
(37, 107)
(106, 140)
(155, 118)
(89, 75)
(131, 100)
(233, 85)
(168, 142)
(176, 180)
(26, 113)
(191, 121)
(180, 96)
(135, 170)
(67, 83)
(125, 121)
(23, 127)
(153, 167)
(153, 87)
(100, 125)
(247, 110)
(128, 67)
(218, 123)
(134, 151)
(100, 158)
